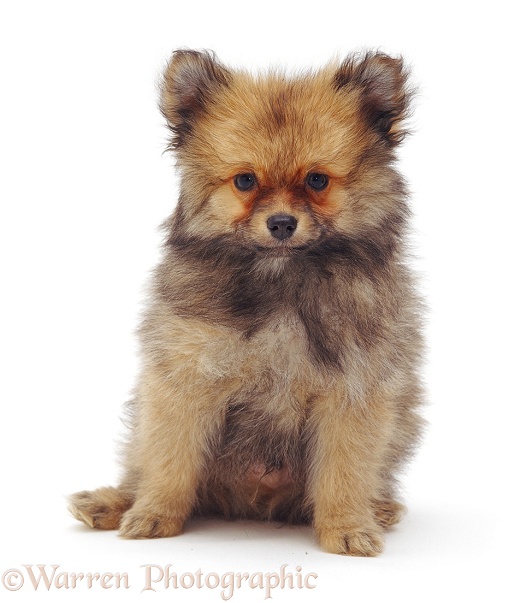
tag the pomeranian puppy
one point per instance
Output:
(280, 349)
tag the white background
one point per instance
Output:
(83, 187)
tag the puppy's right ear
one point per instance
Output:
(190, 79)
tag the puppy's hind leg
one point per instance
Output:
(388, 512)
(102, 508)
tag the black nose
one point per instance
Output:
(282, 226)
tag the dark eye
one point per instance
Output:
(244, 182)
(317, 181)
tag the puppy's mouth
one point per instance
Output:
(281, 249)
(291, 247)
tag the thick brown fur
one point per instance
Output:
(279, 376)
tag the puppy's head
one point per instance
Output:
(278, 163)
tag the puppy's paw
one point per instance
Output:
(360, 542)
(139, 524)
(388, 512)
(102, 508)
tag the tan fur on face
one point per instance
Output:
(280, 150)
(279, 375)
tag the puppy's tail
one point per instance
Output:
(102, 508)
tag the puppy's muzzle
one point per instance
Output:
(282, 226)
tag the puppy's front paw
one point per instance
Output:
(139, 524)
(359, 541)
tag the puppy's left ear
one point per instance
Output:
(382, 84)
(189, 81)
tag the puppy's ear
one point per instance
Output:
(384, 96)
(189, 81)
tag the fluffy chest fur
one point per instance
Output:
(271, 337)
(327, 305)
